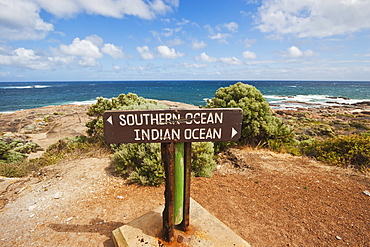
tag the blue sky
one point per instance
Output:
(63, 40)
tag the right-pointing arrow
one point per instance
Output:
(233, 132)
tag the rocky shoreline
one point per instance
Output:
(47, 121)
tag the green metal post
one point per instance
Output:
(179, 183)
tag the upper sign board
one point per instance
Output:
(173, 125)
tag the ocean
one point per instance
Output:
(280, 94)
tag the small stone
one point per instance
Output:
(58, 195)
(30, 208)
(366, 192)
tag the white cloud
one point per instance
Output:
(20, 20)
(144, 52)
(24, 58)
(182, 22)
(88, 62)
(28, 58)
(175, 42)
(221, 37)
(295, 52)
(228, 27)
(249, 55)
(88, 47)
(66, 8)
(315, 18)
(111, 8)
(196, 45)
(82, 52)
(249, 42)
(205, 58)
(231, 60)
(160, 7)
(133, 68)
(168, 32)
(232, 26)
(192, 65)
(113, 51)
(166, 52)
(224, 31)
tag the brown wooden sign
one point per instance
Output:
(169, 125)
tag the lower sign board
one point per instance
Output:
(172, 125)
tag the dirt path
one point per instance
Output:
(268, 199)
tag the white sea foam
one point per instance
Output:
(24, 87)
(6, 112)
(307, 101)
(87, 102)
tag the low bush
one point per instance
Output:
(128, 101)
(16, 169)
(17, 166)
(13, 154)
(259, 126)
(142, 163)
(352, 150)
(15, 149)
(203, 162)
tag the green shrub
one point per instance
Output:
(353, 150)
(359, 125)
(203, 162)
(65, 146)
(13, 154)
(13, 149)
(142, 163)
(4, 148)
(259, 125)
(14, 169)
(128, 101)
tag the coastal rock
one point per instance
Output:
(366, 192)
(58, 195)
(331, 97)
(364, 103)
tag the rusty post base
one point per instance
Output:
(204, 230)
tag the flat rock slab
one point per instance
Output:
(205, 230)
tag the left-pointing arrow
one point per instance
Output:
(110, 120)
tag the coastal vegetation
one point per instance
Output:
(340, 139)
(13, 151)
(259, 126)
